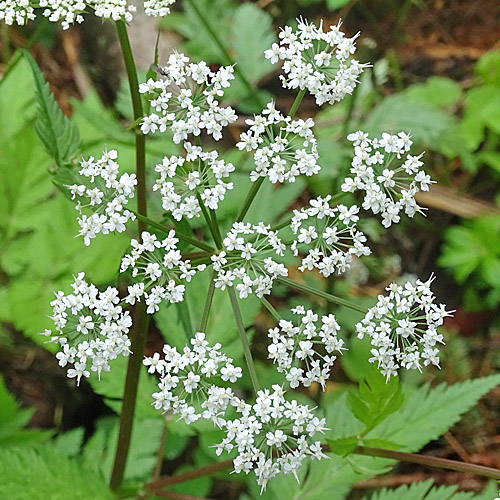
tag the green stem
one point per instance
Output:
(243, 338)
(187, 239)
(140, 329)
(249, 199)
(440, 463)
(320, 293)
(229, 60)
(258, 183)
(274, 313)
(208, 304)
(215, 223)
(296, 103)
(214, 229)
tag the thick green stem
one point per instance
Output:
(214, 229)
(440, 463)
(208, 304)
(296, 103)
(229, 60)
(324, 295)
(243, 338)
(139, 334)
(141, 321)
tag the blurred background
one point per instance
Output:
(435, 73)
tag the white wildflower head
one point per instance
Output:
(185, 100)
(304, 350)
(191, 381)
(104, 193)
(389, 176)
(69, 12)
(403, 327)
(184, 182)
(282, 148)
(272, 436)
(317, 61)
(248, 259)
(329, 235)
(160, 268)
(91, 328)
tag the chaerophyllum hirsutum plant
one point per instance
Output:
(267, 432)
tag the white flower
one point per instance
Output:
(184, 182)
(185, 100)
(293, 344)
(330, 236)
(160, 267)
(106, 199)
(403, 328)
(317, 61)
(283, 148)
(272, 436)
(248, 258)
(188, 381)
(389, 179)
(91, 328)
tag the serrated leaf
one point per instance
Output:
(58, 134)
(343, 446)
(432, 412)
(29, 473)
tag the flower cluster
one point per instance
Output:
(403, 328)
(185, 100)
(272, 436)
(187, 380)
(317, 61)
(283, 148)
(106, 198)
(330, 234)
(388, 177)
(295, 344)
(91, 328)
(247, 258)
(184, 182)
(69, 12)
(160, 267)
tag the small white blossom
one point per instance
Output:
(186, 99)
(293, 345)
(403, 328)
(91, 328)
(283, 148)
(317, 61)
(330, 236)
(389, 179)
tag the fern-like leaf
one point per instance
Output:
(58, 134)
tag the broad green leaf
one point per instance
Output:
(432, 412)
(488, 67)
(343, 446)
(28, 474)
(252, 34)
(58, 133)
(436, 91)
(376, 399)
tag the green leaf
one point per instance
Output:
(28, 474)
(14, 419)
(436, 91)
(376, 399)
(343, 446)
(423, 491)
(488, 67)
(432, 412)
(58, 134)
(252, 33)
(336, 4)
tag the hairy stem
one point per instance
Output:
(243, 338)
(440, 463)
(327, 296)
(141, 321)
